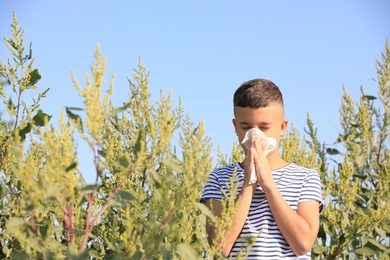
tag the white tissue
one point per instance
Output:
(269, 144)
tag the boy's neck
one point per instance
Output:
(275, 161)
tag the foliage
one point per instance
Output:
(145, 201)
(355, 222)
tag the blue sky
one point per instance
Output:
(203, 50)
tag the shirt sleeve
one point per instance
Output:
(212, 189)
(311, 189)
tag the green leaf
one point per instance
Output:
(187, 252)
(102, 153)
(25, 130)
(156, 177)
(139, 144)
(376, 245)
(172, 166)
(90, 187)
(43, 230)
(326, 228)
(30, 52)
(11, 109)
(380, 232)
(317, 249)
(332, 151)
(112, 255)
(360, 161)
(122, 198)
(34, 77)
(369, 97)
(40, 119)
(75, 119)
(119, 110)
(75, 108)
(365, 251)
(360, 176)
(19, 255)
(71, 167)
(94, 253)
(123, 161)
(74, 254)
(365, 238)
(322, 233)
(16, 223)
(23, 124)
(48, 255)
(386, 224)
(166, 254)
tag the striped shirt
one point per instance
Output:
(294, 182)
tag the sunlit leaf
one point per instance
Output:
(187, 252)
(74, 254)
(123, 161)
(119, 110)
(139, 144)
(90, 187)
(365, 238)
(11, 109)
(122, 198)
(365, 251)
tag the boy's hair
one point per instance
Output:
(257, 93)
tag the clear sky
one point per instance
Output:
(203, 50)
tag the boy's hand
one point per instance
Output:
(248, 165)
(260, 162)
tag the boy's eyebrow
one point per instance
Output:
(261, 123)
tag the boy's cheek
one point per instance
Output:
(241, 136)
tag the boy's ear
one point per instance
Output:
(283, 127)
(234, 124)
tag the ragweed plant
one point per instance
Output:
(18, 76)
(95, 107)
(356, 222)
(151, 163)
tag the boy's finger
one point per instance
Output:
(258, 145)
(251, 155)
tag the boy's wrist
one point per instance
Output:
(269, 187)
(251, 187)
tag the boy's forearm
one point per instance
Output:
(244, 201)
(294, 228)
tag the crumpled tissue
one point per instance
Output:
(269, 144)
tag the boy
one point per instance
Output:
(285, 202)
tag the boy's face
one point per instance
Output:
(269, 120)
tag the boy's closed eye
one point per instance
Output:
(261, 128)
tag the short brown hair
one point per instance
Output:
(257, 93)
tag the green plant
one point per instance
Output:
(356, 222)
(151, 162)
